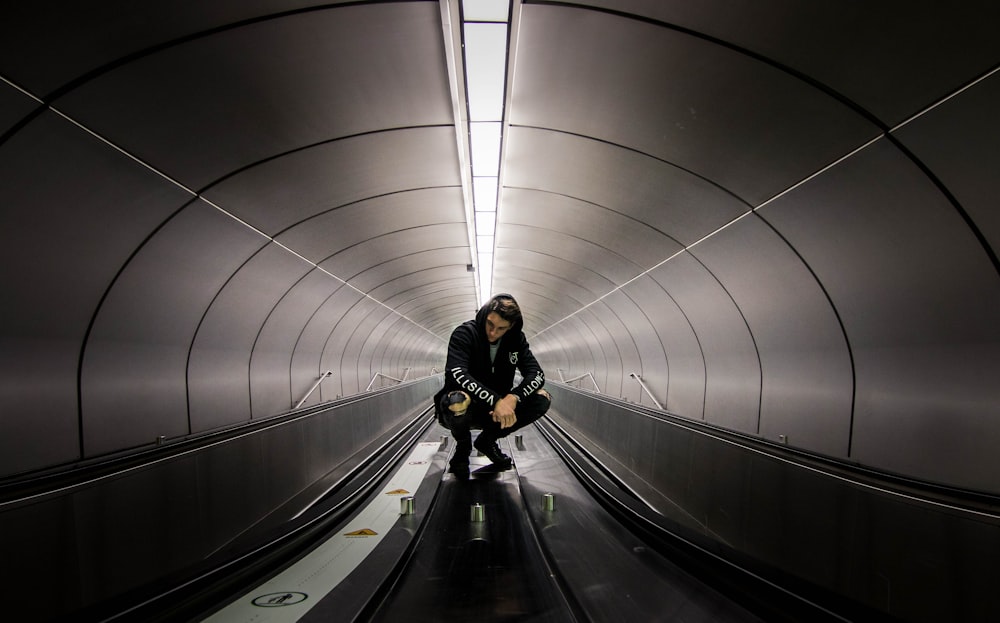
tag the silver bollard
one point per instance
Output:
(477, 514)
(406, 505)
(548, 502)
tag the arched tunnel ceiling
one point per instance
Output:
(700, 186)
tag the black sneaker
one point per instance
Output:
(460, 460)
(492, 451)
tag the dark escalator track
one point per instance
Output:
(489, 570)
(526, 563)
(598, 555)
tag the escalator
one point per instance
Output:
(662, 520)
(534, 543)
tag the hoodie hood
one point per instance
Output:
(484, 311)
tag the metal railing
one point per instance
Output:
(313, 388)
(585, 375)
(646, 389)
(406, 372)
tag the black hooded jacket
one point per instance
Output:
(469, 368)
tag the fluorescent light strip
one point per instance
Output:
(485, 30)
(486, 10)
(485, 147)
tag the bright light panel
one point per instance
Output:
(486, 224)
(486, 10)
(486, 275)
(484, 140)
(484, 243)
(484, 193)
(485, 67)
(485, 42)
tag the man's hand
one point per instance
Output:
(503, 412)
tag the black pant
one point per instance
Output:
(478, 416)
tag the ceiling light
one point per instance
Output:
(485, 31)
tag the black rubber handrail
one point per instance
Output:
(194, 592)
(767, 592)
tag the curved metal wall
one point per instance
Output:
(179, 507)
(911, 555)
(819, 264)
(781, 218)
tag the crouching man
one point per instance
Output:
(478, 391)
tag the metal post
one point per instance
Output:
(385, 376)
(646, 389)
(313, 388)
(588, 375)
(406, 506)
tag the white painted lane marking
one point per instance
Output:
(288, 596)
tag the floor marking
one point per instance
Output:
(288, 596)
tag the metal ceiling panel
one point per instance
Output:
(14, 105)
(58, 261)
(919, 300)
(958, 141)
(270, 363)
(218, 367)
(342, 349)
(307, 354)
(891, 57)
(202, 109)
(451, 259)
(614, 268)
(141, 338)
(864, 134)
(553, 217)
(322, 237)
(683, 375)
(662, 196)
(741, 123)
(405, 283)
(732, 364)
(283, 192)
(353, 260)
(571, 284)
(805, 363)
(47, 46)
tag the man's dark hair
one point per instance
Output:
(506, 307)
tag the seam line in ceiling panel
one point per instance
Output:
(962, 212)
(585, 240)
(947, 97)
(408, 255)
(362, 200)
(805, 78)
(322, 143)
(718, 229)
(599, 206)
(361, 242)
(197, 195)
(194, 36)
(26, 119)
(884, 130)
(320, 268)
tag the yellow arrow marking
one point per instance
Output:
(362, 532)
